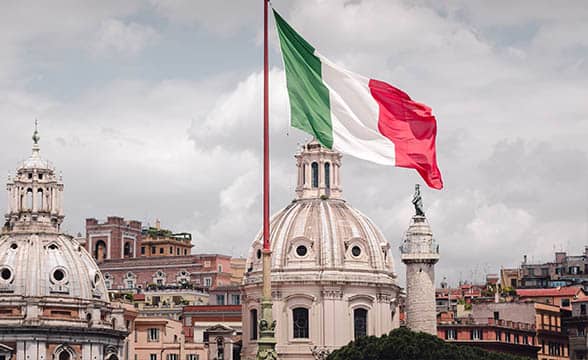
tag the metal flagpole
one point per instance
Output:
(266, 343)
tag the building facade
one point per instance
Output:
(577, 326)
(163, 339)
(551, 335)
(494, 335)
(53, 299)
(565, 270)
(331, 272)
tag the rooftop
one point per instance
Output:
(559, 291)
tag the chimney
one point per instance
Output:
(158, 224)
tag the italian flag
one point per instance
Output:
(347, 112)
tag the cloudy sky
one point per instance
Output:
(152, 109)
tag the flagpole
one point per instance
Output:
(266, 342)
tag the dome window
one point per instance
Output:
(315, 174)
(259, 253)
(356, 251)
(58, 275)
(301, 251)
(5, 274)
(52, 247)
(328, 175)
(13, 246)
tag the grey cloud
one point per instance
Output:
(510, 106)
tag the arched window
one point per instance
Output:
(328, 175)
(300, 323)
(40, 199)
(100, 250)
(30, 199)
(64, 356)
(127, 250)
(253, 318)
(315, 175)
(360, 322)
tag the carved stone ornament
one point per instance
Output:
(267, 354)
(264, 326)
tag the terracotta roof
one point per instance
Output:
(559, 291)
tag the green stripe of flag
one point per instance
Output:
(309, 97)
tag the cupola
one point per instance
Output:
(318, 172)
(34, 195)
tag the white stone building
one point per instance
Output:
(53, 300)
(332, 275)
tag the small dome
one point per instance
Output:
(323, 234)
(43, 265)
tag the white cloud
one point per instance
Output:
(114, 37)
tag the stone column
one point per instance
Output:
(420, 254)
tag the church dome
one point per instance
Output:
(37, 265)
(319, 230)
(51, 290)
(332, 275)
(36, 260)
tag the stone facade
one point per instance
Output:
(331, 272)
(420, 254)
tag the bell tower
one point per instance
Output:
(318, 172)
(35, 201)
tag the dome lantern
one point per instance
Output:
(318, 172)
(34, 195)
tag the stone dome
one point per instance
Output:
(320, 230)
(323, 234)
(42, 265)
(36, 260)
(332, 275)
(51, 290)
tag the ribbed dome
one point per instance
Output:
(48, 265)
(325, 234)
(36, 260)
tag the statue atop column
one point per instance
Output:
(417, 201)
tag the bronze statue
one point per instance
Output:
(417, 201)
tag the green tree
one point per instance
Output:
(403, 344)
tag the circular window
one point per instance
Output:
(13, 246)
(58, 275)
(259, 253)
(301, 250)
(356, 251)
(5, 274)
